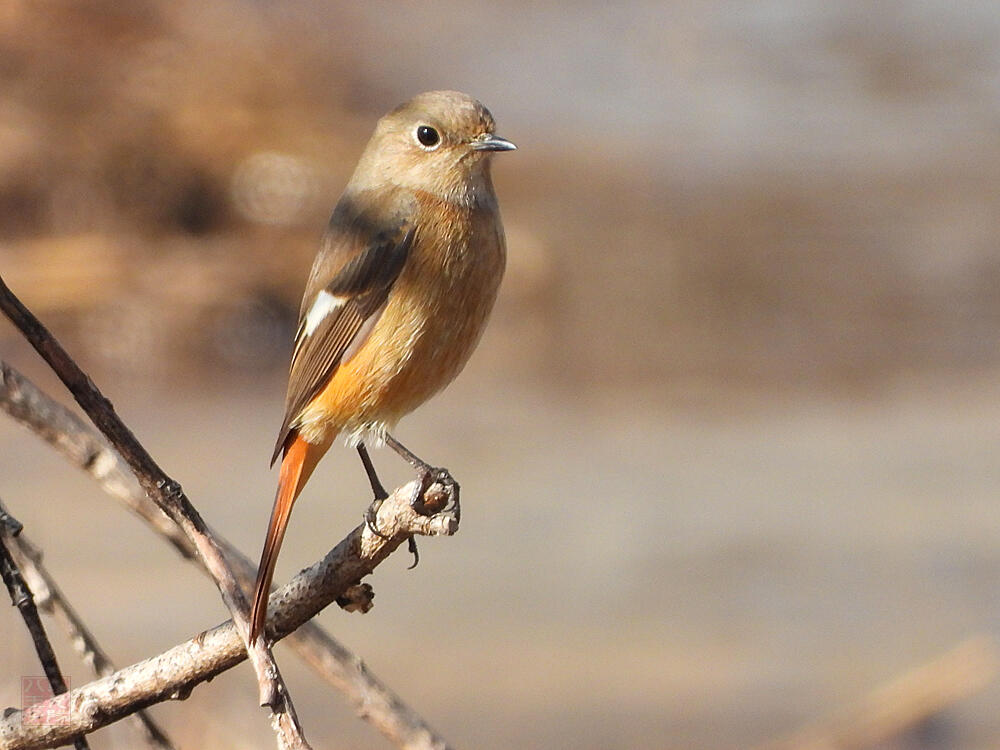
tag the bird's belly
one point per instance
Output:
(417, 347)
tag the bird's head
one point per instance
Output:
(439, 142)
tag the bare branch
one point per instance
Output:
(21, 597)
(50, 598)
(374, 701)
(174, 673)
(170, 498)
(85, 449)
(904, 702)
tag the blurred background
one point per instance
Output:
(729, 449)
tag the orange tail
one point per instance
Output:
(297, 465)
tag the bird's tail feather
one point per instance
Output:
(300, 458)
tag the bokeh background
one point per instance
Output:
(729, 449)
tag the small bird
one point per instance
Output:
(398, 296)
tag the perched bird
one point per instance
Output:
(398, 296)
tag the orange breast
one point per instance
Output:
(434, 317)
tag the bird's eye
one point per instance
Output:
(427, 136)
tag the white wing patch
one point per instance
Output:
(325, 304)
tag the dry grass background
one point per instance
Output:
(745, 355)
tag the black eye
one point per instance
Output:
(427, 136)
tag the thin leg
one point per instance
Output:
(377, 488)
(409, 456)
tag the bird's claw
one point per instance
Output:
(427, 499)
(371, 518)
(436, 491)
(411, 545)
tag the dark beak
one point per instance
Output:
(490, 142)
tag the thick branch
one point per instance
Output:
(173, 674)
(61, 428)
(166, 493)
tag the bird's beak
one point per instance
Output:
(490, 142)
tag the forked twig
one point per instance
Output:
(50, 598)
(21, 597)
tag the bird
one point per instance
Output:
(399, 294)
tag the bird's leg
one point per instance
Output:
(427, 474)
(377, 489)
(371, 517)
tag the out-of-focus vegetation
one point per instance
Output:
(728, 449)
(167, 170)
(170, 166)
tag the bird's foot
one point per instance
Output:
(425, 499)
(437, 491)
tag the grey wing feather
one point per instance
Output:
(361, 287)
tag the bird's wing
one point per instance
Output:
(347, 291)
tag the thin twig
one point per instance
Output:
(50, 598)
(168, 495)
(373, 700)
(20, 597)
(174, 673)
